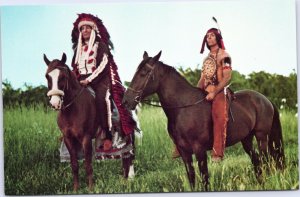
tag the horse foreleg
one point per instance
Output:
(248, 147)
(127, 163)
(71, 145)
(187, 159)
(128, 168)
(202, 164)
(88, 153)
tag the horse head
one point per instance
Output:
(144, 82)
(57, 76)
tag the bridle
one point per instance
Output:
(61, 93)
(140, 92)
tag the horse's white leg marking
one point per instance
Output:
(131, 172)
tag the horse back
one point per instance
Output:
(249, 111)
(253, 102)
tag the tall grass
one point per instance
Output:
(31, 160)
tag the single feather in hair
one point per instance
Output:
(217, 24)
(215, 19)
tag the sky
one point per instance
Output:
(260, 35)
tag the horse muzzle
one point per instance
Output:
(56, 102)
(129, 103)
(56, 98)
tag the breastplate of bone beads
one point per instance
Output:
(209, 68)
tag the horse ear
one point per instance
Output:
(145, 56)
(156, 58)
(46, 60)
(63, 58)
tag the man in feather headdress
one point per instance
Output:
(92, 59)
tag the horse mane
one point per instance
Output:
(170, 70)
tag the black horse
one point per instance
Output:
(190, 122)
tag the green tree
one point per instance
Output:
(29, 97)
(281, 90)
(261, 82)
(238, 81)
(10, 95)
(191, 75)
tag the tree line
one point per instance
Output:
(281, 90)
(28, 97)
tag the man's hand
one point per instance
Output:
(210, 96)
(84, 82)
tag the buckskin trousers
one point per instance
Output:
(220, 118)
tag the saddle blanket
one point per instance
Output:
(99, 153)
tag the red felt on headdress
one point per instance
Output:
(86, 19)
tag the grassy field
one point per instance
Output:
(31, 160)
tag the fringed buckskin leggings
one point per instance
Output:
(220, 118)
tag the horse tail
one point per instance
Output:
(276, 141)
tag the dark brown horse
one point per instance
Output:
(77, 117)
(190, 121)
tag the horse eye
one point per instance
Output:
(49, 86)
(61, 81)
(144, 72)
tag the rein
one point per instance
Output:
(174, 107)
(73, 100)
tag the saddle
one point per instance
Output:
(230, 98)
(230, 95)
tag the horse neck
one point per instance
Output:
(73, 87)
(175, 90)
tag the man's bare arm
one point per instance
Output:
(201, 82)
(225, 80)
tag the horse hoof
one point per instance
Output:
(175, 153)
(91, 188)
(130, 178)
(75, 189)
(216, 159)
(131, 173)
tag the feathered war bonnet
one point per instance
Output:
(99, 32)
(218, 34)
